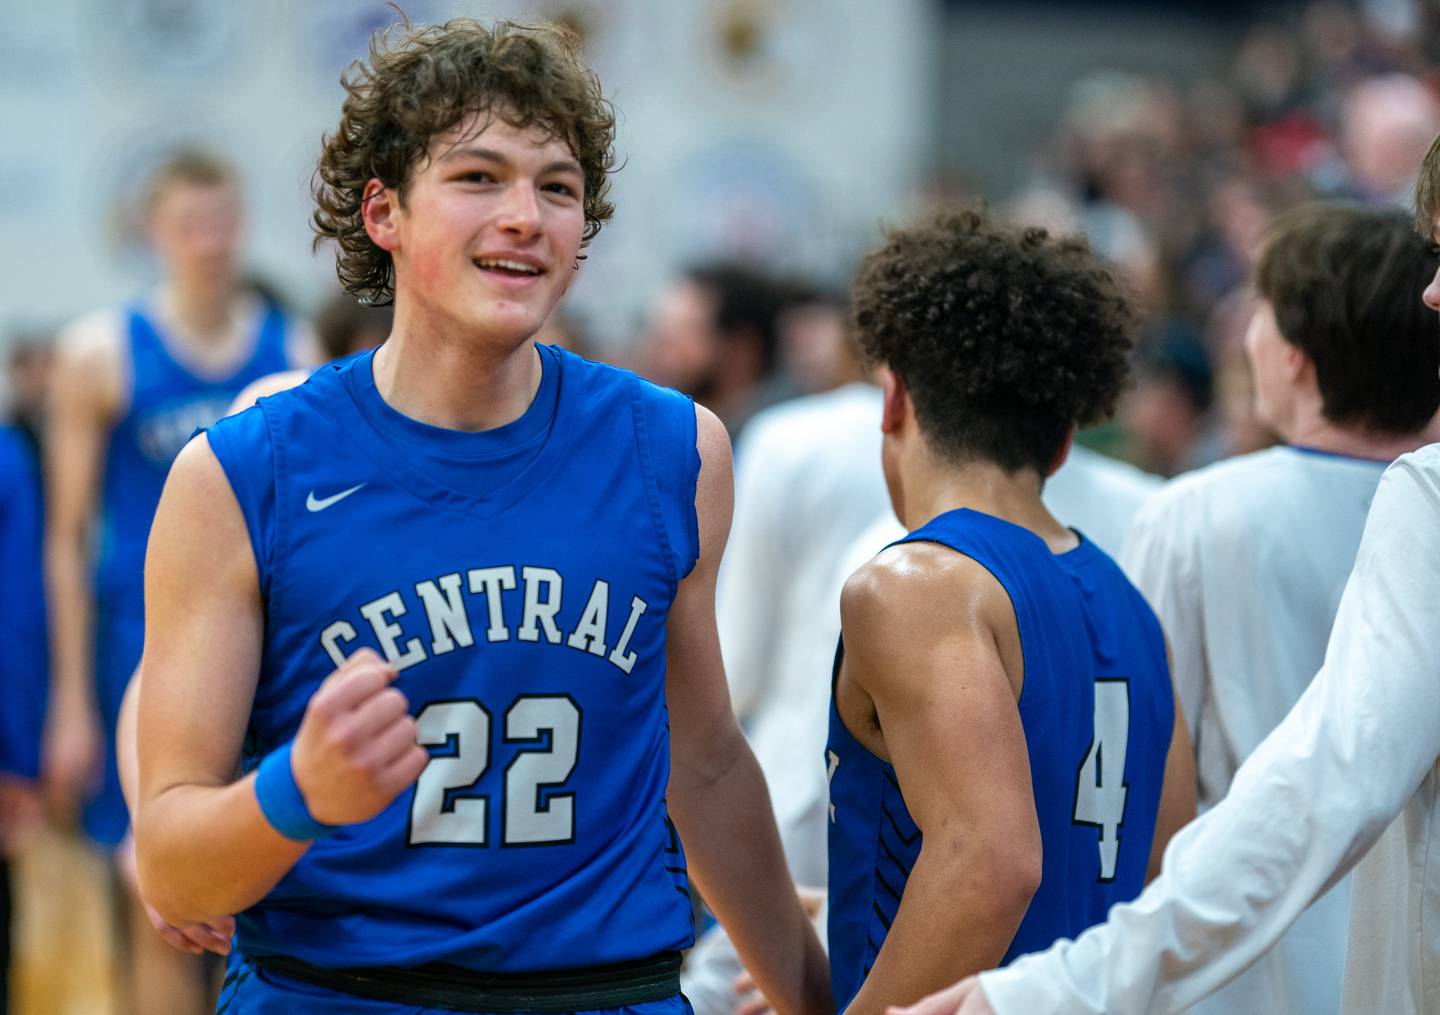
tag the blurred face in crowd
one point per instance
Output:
(1275, 365)
(488, 232)
(815, 344)
(682, 343)
(196, 229)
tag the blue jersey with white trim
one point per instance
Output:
(520, 580)
(166, 400)
(1097, 711)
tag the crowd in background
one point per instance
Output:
(1175, 183)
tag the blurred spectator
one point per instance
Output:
(714, 336)
(344, 326)
(1388, 125)
(565, 330)
(32, 354)
(817, 351)
(1166, 414)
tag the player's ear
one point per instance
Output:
(897, 405)
(1296, 362)
(1062, 454)
(378, 206)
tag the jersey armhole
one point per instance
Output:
(667, 431)
(248, 460)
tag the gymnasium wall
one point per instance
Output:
(776, 130)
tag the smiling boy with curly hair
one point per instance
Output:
(449, 605)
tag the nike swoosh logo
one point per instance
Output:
(314, 504)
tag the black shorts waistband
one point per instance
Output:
(455, 988)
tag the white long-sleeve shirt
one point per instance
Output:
(1245, 561)
(1361, 744)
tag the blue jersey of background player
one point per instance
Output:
(1002, 713)
(500, 551)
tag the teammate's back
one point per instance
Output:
(1005, 752)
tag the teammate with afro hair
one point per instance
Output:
(1006, 755)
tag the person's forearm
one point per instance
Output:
(207, 851)
(728, 831)
(958, 914)
(71, 611)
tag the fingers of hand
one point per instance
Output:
(753, 1003)
(379, 712)
(169, 934)
(404, 770)
(363, 674)
(387, 745)
(177, 940)
(205, 937)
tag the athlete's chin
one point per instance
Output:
(509, 324)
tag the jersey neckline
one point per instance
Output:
(548, 420)
(1306, 449)
(1084, 550)
(258, 314)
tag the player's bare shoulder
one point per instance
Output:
(271, 384)
(90, 359)
(919, 587)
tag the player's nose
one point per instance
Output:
(1432, 293)
(520, 209)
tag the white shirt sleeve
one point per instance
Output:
(1303, 808)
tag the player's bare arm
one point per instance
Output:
(717, 795)
(1177, 795)
(931, 674)
(271, 384)
(204, 846)
(84, 405)
(126, 750)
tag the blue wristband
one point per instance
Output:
(281, 802)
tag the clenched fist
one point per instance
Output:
(356, 750)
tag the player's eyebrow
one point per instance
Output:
(491, 155)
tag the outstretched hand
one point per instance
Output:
(964, 998)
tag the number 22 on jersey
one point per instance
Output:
(548, 725)
(1100, 784)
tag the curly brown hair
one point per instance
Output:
(1004, 337)
(420, 82)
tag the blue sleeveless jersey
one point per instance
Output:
(166, 402)
(520, 579)
(1097, 710)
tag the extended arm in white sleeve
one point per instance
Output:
(1303, 808)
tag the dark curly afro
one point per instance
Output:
(1005, 338)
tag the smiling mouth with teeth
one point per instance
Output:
(508, 267)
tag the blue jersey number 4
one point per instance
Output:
(1100, 784)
